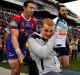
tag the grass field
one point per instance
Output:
(74, 65)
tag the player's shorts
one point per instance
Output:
(11, 54)
(62, 51)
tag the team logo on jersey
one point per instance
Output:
(13, 23)
(22, 25)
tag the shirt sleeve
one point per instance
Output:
(41, 51)
(14, 22)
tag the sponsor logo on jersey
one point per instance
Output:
(63, 32)
(22, 25)
(13, 23)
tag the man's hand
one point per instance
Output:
(20, 55)
(20, 58)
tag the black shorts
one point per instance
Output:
(62, 51)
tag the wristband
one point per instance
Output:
(18, 51)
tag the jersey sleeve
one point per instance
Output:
(55, 20)
(14, 23)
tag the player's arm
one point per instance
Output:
(15, 33)
(14, 40)
(15, 43)
(15, 36)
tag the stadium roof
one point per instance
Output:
(65, 1)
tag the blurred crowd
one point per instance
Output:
(5, 18)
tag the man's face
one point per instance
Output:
(62, 12)
(47, 31)
(30, 9)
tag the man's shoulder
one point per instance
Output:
(33, 20)
(16, 17)
(36, 35)
(55, 20)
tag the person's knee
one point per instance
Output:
(15, 71)
(15, 68)
(66, 66)
(66, 62)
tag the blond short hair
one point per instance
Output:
(47, 21)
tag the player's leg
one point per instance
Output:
(14, 66)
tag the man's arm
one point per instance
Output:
(42, 50)
(14, 39)
(15, 43)
(15, 33)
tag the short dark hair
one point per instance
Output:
(60, 7)
(27, 2)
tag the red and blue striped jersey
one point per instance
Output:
(25, 27)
